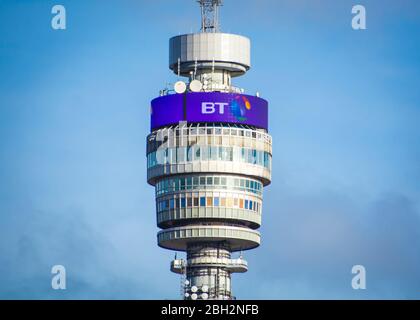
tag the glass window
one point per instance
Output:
(230, 154)
(195, 201)
(171, 203)
(216, 201)
(202, 201)
(206, 153)
(229, 202)
(209, 181)
(223, 181)
(214, 153)
(241, 203)
(209, 201)
(222, 153)
(181, 154)
(216, 181)
(172, 155)
(202, 181)
(189, 202)
(196, 153)
(183, 202)
(223, 202)
(246, 204)
(195, 181)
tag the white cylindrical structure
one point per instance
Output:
(229, 52)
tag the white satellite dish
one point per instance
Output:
(194, 296)
(187, 282)
(180, 87)
(186, 294)
(194, 289)
(196, 86)
(204, 296)
(205, 288)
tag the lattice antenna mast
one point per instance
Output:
(210, 15)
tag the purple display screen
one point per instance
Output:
(209, 107)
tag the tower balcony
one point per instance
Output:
(237, 238)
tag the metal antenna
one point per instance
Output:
(210, 15)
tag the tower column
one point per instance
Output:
(209, 159)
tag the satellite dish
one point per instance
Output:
(204, 296)
(186, 294)
(205, 288)
(194, 296)
(187, 282)
(194, 289)
(180, 87)
(196, 86)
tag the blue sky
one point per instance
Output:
(344, 116)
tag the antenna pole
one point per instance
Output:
(210, 15)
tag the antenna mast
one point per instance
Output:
(210, 15)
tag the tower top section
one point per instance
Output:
(210, 15)
(210, 58)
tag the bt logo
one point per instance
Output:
(237, 107)
(210, 107)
